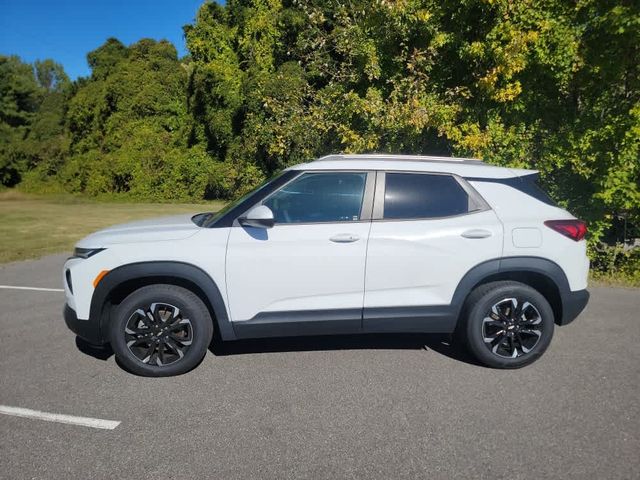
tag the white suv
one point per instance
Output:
(344, 244)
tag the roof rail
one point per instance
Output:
(384, 156)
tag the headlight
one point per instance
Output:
(86, 252)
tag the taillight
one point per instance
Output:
(574, 229)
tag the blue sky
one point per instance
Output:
(65, 30)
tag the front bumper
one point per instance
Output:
(86, 329)
(573, 303)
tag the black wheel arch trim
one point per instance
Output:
(524, 264)
(170, 270)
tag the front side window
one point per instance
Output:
(417, 195)
(319, 197)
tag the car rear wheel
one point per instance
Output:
(161, 330)
(507, 324)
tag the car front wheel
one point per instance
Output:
(161, 330)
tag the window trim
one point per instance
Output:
(365, 209)
(381, 185)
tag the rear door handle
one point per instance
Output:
(345, 238)
(476, 233)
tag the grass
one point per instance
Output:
(613, 280)
(34, 225)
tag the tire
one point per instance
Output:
(499, 332)
(160, 331)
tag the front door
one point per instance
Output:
(307, 272)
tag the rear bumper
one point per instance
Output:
(573, 303)
(85, 329)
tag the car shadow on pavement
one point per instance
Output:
(439, 343)
(101, 353)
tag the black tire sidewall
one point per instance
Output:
(191, 307)
(478, 311)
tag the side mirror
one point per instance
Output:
(259, 217)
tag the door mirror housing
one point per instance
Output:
(259, 217)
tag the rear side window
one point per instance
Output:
(417, 195)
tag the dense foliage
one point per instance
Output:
(32, 103)
(549, 85)
(125, 128)
(546, 84)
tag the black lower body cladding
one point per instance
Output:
(88, 330)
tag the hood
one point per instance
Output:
(175, 227)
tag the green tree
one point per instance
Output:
(129, 126)
(20, 99)
(46, 145)
(51, 76)
(542, 84)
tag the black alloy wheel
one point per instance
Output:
(161, 330)
(158, 334)
(512, 327)
(506, 324)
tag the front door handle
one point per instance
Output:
(476, 233)
(345, 238)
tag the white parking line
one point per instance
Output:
(15, 287)
(60, 418)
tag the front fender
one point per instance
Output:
(163, 271)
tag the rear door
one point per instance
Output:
(428, 230)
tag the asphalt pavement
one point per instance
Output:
(387, 407)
